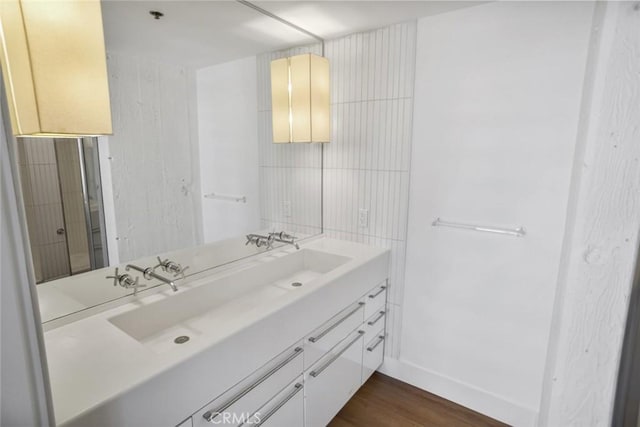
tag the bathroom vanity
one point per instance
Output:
(284, 338)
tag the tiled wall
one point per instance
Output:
(43, 206)
(367, 163)
(288, 172)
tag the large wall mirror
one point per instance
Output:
(191, 160)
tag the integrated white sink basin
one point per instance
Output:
(114, 366)
(193, 312)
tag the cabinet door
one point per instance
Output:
(376, 300)
(286, 409)
(333, 380)
(327, 336)
(373, 354)
(234, 406)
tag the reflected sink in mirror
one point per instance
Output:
(193, 312)
(184, 168)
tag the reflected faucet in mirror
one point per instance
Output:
(172, 267)
(268, 241)
(259, 240)
(111, 212)
(126, 281)
(149, 274)
(283, 237)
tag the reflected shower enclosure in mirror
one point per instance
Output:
(62, 193)
(191, 160)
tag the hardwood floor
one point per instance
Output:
(386, 402)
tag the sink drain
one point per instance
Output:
(296, 284)
(181, 339)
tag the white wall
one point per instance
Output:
(228, 132)
(497, 100)
(24, 393)
(153, 149)
(602, 234)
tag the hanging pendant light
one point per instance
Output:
(300, 99)
(54, 67)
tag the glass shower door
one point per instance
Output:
(43, 207)
(62, 191)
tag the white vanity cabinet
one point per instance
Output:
(373, 351)
(327, 336)
(376, 299)
(375, 330)
(285, 409)
(308, 384)
(274, 355)
(235, 406)
(331, 382)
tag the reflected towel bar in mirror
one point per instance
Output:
(518, 232)
(227, 197)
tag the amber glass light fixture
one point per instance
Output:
(300, 99)
(54, 67)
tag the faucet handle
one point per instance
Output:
(129, 283)
(115, 278)
(254, 238)
(126, 281)
(173, 267)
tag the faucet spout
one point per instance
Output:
(283, 237)
(164, 279)
(149, 274)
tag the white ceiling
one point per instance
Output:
(200, 33)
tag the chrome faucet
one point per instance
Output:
(171, 267)
(283, 237)
(259, 240)
(149, 274)
(126, 281)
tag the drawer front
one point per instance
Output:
(376, 322)
(327, 336)
(234, 406)
(373, 354)
(375, 299)
(333, 380)
(285, 409)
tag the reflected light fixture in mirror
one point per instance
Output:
(54, 67)
(300, 99)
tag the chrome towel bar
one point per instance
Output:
(518, 232)
(227, 197)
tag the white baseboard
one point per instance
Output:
(486, 403)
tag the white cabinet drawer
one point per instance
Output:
(323, 339)
(235, 405)
(375, 300)
(376, 321)
(333, 380)
(373, 353)
(284, 410)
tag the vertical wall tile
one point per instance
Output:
(289, 173)
(367, 164)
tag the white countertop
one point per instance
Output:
(91, 361)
